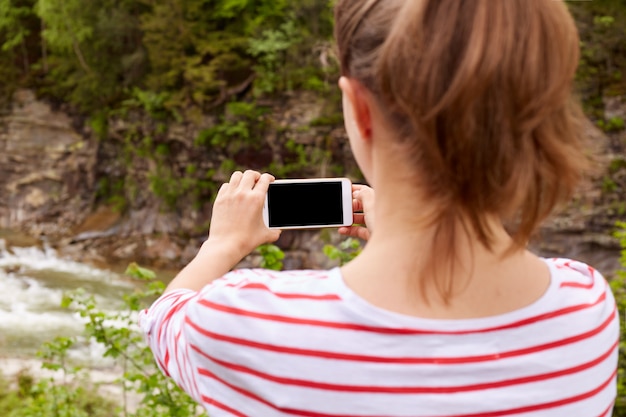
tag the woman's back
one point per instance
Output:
(260, 343)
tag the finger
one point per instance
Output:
(355, 231)
(273, 235)
(248, 179)
(366, 197)
(358, 218)
(235, 179)
(363, 234)
(263, 183)
(223, 189)
(357, 206)
(358, 187)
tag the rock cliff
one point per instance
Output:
(46, 169)
(50, 168)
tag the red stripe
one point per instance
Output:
(261, 286)
(405, 360)
(499, 413)
(576, 284)
(544, 406)
(565, 265)
(269, 404)
(572, 284)
(166, 359)
(164, 323)
(182, 375)
(324, 274)
(162, 366)
(224, 407)
(404, 389)
(166, 298)
(607, 412)
(171, 312)
(396, 331)
(176, 296)
(264, 273)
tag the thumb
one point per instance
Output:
(273, 235)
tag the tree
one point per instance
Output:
(96, 50)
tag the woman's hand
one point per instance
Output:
(363, 207)
(237, 228)
(237, 219)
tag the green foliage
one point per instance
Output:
(159, 395)
(613, 187)
(173, 188)
(70, 395)
(93, 51)
(270, 50)
(271, 257)
(620, 234)
(67, 25)
(608, 185)
(242, 124)
(113, 193)
(614, 124)
(205, 51)
(618, 285)
(153, 103)
(301, 160)
(18, 37)
(345, 252)
(12, 28)
(135, 271)
(177, 54)
(603, 61)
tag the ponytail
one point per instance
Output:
(480, 94)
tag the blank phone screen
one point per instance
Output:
(305, 204)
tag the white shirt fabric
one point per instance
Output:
(301, 343)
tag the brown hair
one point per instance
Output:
(480, 93)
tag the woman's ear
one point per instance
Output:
(358, 99)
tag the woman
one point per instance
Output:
(459, 114)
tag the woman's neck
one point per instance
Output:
(395, 270)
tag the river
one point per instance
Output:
(33, 280)
(32, 283)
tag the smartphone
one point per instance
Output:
(308, 203)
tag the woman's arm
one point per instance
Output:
(236, 229)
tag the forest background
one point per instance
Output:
(131, 72)
(221, 66)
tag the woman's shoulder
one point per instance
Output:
(268, 284)
(578, 289)
(576, 275)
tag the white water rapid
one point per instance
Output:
(32, 284)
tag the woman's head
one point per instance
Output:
(479, 94)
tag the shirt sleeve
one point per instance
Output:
(162, 325)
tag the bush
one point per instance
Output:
(118, 334)
(26, 397)
(618, 284)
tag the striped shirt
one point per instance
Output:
(301, 343)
